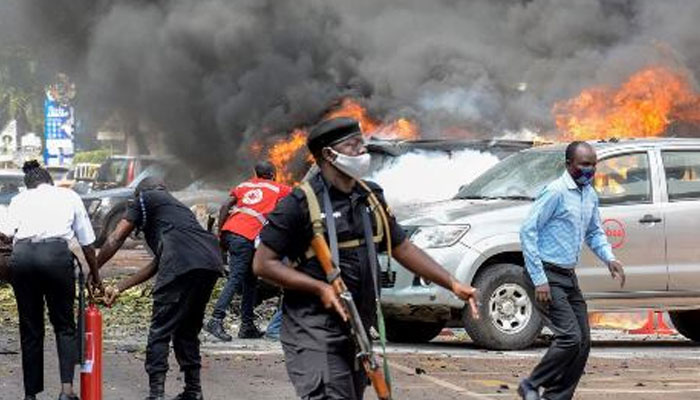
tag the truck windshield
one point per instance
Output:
(520, 176)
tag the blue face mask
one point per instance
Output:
(584, 176)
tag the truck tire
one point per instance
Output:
(399, 331)
(686, 323)
(508, 319)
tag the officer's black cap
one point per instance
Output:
(332, 131)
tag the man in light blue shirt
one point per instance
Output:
(564, 216)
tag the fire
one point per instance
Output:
(624, 321)
(644, 106)
(284, 151)
(401, 128)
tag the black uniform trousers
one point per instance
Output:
(44, 271)
(325, 375)
(178, 314)
(562, 366)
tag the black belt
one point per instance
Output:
(557, 269)
(39, 241)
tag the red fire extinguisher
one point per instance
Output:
(90, 328)
(91, 371)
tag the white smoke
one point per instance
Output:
(423, 176)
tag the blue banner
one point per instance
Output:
(59, 126)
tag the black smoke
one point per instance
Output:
(211, 76)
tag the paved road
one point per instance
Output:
(621, 367)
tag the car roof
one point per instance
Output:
(140, 157)
(398, 147)
(632, 143)
(11, 173)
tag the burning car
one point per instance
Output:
(650, 203)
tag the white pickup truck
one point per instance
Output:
(650, 203)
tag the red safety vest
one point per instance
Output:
(255, 198)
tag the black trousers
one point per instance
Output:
(561, 368)
(44, 272)
(178, 314)
(325, 375)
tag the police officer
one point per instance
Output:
(42, 220)
(187, 262)
(319, 352)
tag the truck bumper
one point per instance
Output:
(412, 298)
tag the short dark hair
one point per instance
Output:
(572, 147)
(265, 170)
(150, 183)
(35, 175)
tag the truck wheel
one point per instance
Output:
(686, 323)
(508, 319)
(398, 331)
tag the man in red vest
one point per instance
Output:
(242, 219)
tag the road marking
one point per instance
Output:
(440, 382)
(636, 391)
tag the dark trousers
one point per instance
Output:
(178, 314)
(324, 375)
(561, 368)
(240, 278)
(44, 272)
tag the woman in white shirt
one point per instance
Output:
(42, 220)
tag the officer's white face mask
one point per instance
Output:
(353, 166)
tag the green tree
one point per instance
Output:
(21, 91)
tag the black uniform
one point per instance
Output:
(319, 352)
(189, 263)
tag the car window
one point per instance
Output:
(10, 185)
(521, 175)
(623, 179)
(682, 174)
(114, 171)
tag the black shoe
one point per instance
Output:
(527, 392)
(156, 386)
(30, 397)
(189, 396)
(216, 328)
(64, 396)
(249, 331)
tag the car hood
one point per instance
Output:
(122, 192)
(453, 211)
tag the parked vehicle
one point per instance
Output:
(11, 183)
(650, 205)
(120, 170)
(106, 207)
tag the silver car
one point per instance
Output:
(650, 203)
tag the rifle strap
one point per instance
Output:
(330, 226)
(317, 223)
(374, 268)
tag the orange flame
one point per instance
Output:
(645, 105)
(624, 321)
(401, 128)
(284, 151)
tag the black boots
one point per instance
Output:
(249, 331)
(193, 386)
(156, 383)
(216, 327)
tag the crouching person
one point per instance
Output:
(187, 262)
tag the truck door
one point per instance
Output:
(631, 214)
(682, 215)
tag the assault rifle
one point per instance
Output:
(365, 354)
